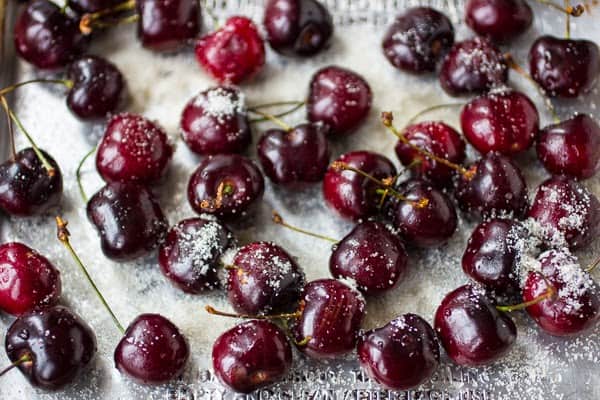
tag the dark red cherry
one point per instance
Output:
(129, 220)
(473, 66)
(234, 53)
(571, 147)
(58, 343)
(133, 149)
(26, 188)
(438, 139)
(400, 355)
(371, 256)
(470, 328)
(191, 254)
(152, 350)
(300, 155)
(46, 37)
(566, 213)
(497, 188)
(264, 278)
(226, 186)
(575, 304)
(298, 27)
(498, 20)
(329, 324)
(429, 225)
(215, 122)
(91, 6)
(564, 67)
(493, 254)
(167, 25)
(503, 121)
(28, 281)
(98, 87)
(351, 194)
(251, 355)
(339, 98)
(418, 39)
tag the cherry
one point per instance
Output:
(129, 220)
(263, 278)
(571, 147)
(226, 186)
(494, 187)
(91, 6)
(504, 121)
(298, 27)
(234, 53)
(493, 254)
(400, 355)
(28, 281)
(190, 255)
(575, 304)
(329, 323)
(46, 37)
(215, 122)
(566, 212)
(27, 186)
(417, 40)
(152, 350)
(498, 20)
(473, 66)
(50, 346)
(351, 194)
(98, 87)
(133, 149)
(436, 138)
(423, 224)
(564, 67)
(251, 355)
(471, 329)
(370, 255)
(294, 155)
(339, 98)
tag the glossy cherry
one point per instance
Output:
(298, 27)
(226, 186)
(263, 278)
(400, 355)
(473, 66)
(566, 213)
(330, 320)
(28, 281)
(46, 37)
(215, 122)
(470, 328)
(575, 304)
(167, 25)
(129, 220)
(191, 254)
(251, 355)
(571, 147)
(564, 67)
(133, 149)
(298, 155)
(339, 98)
(26, 186)
(503, 121)
(418, 39)
(234, 53)
(152, 350)
(57, 343)
(498, 20)
(496, 188)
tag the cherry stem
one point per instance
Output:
(23, 359)
(11, 131)
(593, 265)
(431, 109)
(296, 106)
(273, 119)
(296, 314)
(67, 82)
(550, 292)
(78, 174)
(576, 11)
(93, 20)
(63, 235)
(49, 168)
(277, 219)
(224, 189)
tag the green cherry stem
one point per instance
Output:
(23, 359)
(273, 119)
(296, 314)
(296, 105)
(277, 219)
(550, 292)
(66, 82)
(11, 131)
(78, 173)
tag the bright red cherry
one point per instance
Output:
(498, 20)
(167, 25)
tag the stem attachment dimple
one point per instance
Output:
(550, 292)
(277, 219)
(25, 358)
(224, 189)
